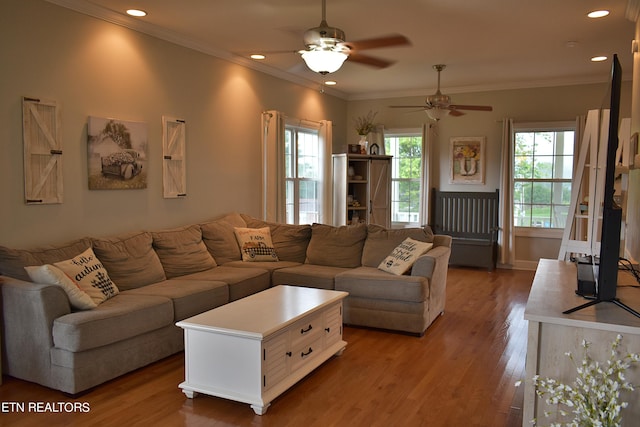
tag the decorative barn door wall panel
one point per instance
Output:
(174, 173)
(42, 151)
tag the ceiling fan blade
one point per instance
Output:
(410, 106)
(369, 60)
(455, 113)
(471, 107)
(391, 40)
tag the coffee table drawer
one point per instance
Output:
(305, 352)
(306, 330)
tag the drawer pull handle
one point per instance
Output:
(289, 353)
(304, 331)
(327, 330)
(303, 354)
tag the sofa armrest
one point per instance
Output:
(434, 266)
(28, 312)
(426, 264)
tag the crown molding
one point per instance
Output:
(479, 88)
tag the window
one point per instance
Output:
(543, 169)
(406, 173)
(303, 172)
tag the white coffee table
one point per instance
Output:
(255, 348)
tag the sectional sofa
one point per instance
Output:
(166, 276)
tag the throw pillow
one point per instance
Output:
(381, 241)
(289, 240)
(52, 275)
(404, 255)
(255, 244)
(87, 272)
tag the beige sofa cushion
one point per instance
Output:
(189, 297)
(374, 284)
(182, 251)
(336, 246)
(130, 259)
(219, 237)
(117, 319)
(13, 261)
(290, 241)
(381, 241)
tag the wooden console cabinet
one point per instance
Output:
(365, 195)
(552, 334)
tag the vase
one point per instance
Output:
(364, 144)
(462, 164)
(471, 166)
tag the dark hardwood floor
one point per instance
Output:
(460, 373)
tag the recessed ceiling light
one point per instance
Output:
(330, 83)
(257, 56)
(598, 58)
(598, 13)
(136, 12)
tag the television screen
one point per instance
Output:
(604, 270)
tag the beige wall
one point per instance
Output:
(523, 105)
(94, 68)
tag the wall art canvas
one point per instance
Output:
(116, 154)
(467, 160)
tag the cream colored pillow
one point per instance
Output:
(86, 271)
(255, 244)
(52, 275)
(404, 255)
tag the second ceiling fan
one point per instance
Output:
(327, 48)
(437, 103)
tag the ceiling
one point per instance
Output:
(486, 45)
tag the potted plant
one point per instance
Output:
(364, 125)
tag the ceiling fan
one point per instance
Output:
(437, 103)
(326, 48)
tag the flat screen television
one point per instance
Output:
(605, 268)
(607, 282)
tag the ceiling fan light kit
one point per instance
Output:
(324, 61)
(326, 48)
(438, 103)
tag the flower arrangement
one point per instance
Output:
(468, 151)
(594, 397)
(365, 124)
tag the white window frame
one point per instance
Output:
(273, 174)
(541, 232)
(294, 181)
(398, 133)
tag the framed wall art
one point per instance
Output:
(467, 162)
(116, 154)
